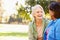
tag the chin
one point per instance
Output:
(40, 18)
(51, 18)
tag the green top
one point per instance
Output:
(32, 29)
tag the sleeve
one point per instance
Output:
(30, 31)
(55, 34)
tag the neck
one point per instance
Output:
(53, 18)
(38, 22)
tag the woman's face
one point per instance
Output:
(51, 14)
(38, 13)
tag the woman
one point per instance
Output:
(38, 24)
(52, 31)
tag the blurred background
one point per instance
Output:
(15, 16)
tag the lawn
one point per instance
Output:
(14, 34)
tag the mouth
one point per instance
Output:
(40, 16)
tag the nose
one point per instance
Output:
(40, 13)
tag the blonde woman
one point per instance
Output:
(38, 23)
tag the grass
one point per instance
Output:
(14, 34)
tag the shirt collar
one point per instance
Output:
(55, 20)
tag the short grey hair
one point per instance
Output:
(37, 6)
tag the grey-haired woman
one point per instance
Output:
(39, 22)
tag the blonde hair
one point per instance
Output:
(37, 6)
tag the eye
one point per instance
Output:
(37, 11)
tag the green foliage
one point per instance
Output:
(30, 2)
(22, 13)
(14, 34)
(43, 3)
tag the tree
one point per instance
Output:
(22, 13)
(30, 2)
(43, 3)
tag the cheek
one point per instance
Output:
(51, 14)
(41, 13)
(34, 15)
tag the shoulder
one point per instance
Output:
(31, 23)
(58, 20)
(58, 23)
